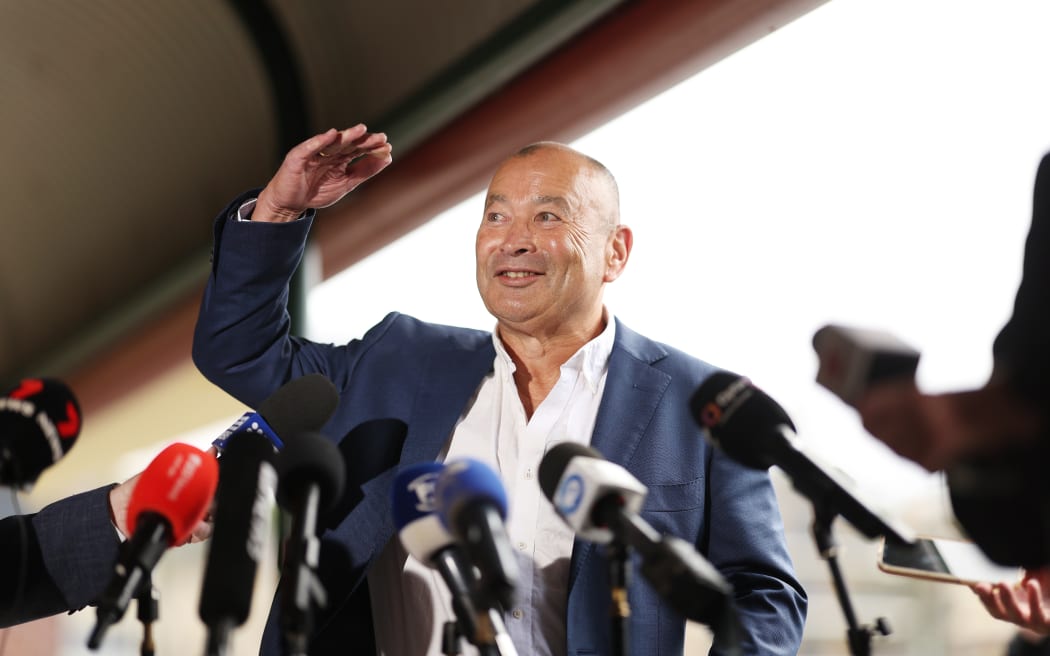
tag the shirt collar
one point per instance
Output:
(591, 360)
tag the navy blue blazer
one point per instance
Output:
(424, 375)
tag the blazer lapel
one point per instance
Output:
(446, 383)
(633, 390)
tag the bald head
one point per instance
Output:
(605, 192)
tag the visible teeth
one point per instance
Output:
(517, 274)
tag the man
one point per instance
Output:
(557, 367)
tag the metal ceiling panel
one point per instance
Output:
(127, 124)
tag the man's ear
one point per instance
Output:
(618, 250)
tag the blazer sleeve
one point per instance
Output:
(745, 541)
(60, 558)
(242, 341)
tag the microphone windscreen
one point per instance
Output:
(309, 458)
(554, 462)
(740, 419)
(301, 405)
(464, 481)
(39, 422)
(243, 507)
(412, 504)
(178, 485)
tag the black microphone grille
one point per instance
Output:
(304, 404)
(739, 418)
(40, 420)
(310, 458)
(557, 458)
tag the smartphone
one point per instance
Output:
(852, 359)
(943, 559)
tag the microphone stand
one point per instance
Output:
(450, 638)
(620, 609)
(147, 602)
(859, 637)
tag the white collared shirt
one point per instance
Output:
(410, 602)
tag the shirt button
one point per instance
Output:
(518, 613)
(528, 474)
(522, 546)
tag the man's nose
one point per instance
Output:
(518, 238)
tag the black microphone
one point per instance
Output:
(472, 504)
(245, 499)
(311, 476)
(39, 422)
(755, 431)
(601, 500)
(170, 498)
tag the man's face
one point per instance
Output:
(547, 242)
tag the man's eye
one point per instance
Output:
(546, 216)
(494, 217)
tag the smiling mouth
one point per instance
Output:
(517, 275)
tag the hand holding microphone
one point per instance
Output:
(170, 498)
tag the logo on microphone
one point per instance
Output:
(570, 493)
(28, 387)
(710, 415)
(423, 487)
(725, 402)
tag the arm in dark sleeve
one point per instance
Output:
(745, 541)
(242, 341)
(1022, 348)
(60, 559)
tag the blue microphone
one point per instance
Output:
(412, 506)
(427, 540)
(250, 423)
(425, 537)
(472, 504)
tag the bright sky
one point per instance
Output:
(870, 164)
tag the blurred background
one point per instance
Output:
(784, 164)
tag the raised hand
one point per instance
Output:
(320, 171)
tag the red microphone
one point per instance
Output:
(170, 498)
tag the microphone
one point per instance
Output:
(428, 541)
(602, 499)
(170, 498)
(311, 479)
(39, 422)
(755, 431)
(853, 359)
(245, 499)
(472, 504)
(243, 512)
(300, 405)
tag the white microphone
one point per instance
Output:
(585, 482)
(603, 499)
